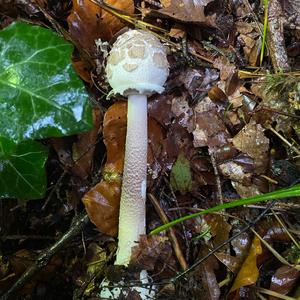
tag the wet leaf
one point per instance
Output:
(160, 109)
(226, 68)
(88, 22)
(231, 262)
(209, 129)
(248, 273)
(22, 173)
(219, 228)
(285, 173)
(251, 40)
(83, 148)
(102, 205)
(238, 169)
(181, 110)
(232, 83)
(102, 201)
(217, 95)
(284, 279)
(252, 141)
(83, 69)
(271, 231)
(206, 271)
(187, 11)
(41, 96)
(152, 253)
(181, 176)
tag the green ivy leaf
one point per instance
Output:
(40, 96)
(40, 93)
(181, 176)
(22, 172)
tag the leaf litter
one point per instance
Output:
(224, 125)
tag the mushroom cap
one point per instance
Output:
(137, 64)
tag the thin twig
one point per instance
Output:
(285, 140)
(76, 226)
(171, 232)
(201, 260)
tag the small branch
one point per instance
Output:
(275, 37)
(216, 173)
(76, 226)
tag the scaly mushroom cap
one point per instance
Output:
(137, 64)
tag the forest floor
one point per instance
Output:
(226, 127)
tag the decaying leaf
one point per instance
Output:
(83, 69)
(19, 262)
(93, 263)
(181, 110)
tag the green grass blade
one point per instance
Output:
(279, 194)
(266, 5)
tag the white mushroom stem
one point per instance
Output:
(132, 205)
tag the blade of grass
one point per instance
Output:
(275, 253)
(266, 5)
(279, 194)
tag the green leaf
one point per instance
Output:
(40, 93)
(293, 191)
(22, 173)
(181, 177)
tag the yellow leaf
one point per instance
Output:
(248, 273)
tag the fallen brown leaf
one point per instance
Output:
(88, 22)
(252, 141)
(187, 11)
(284, 280)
